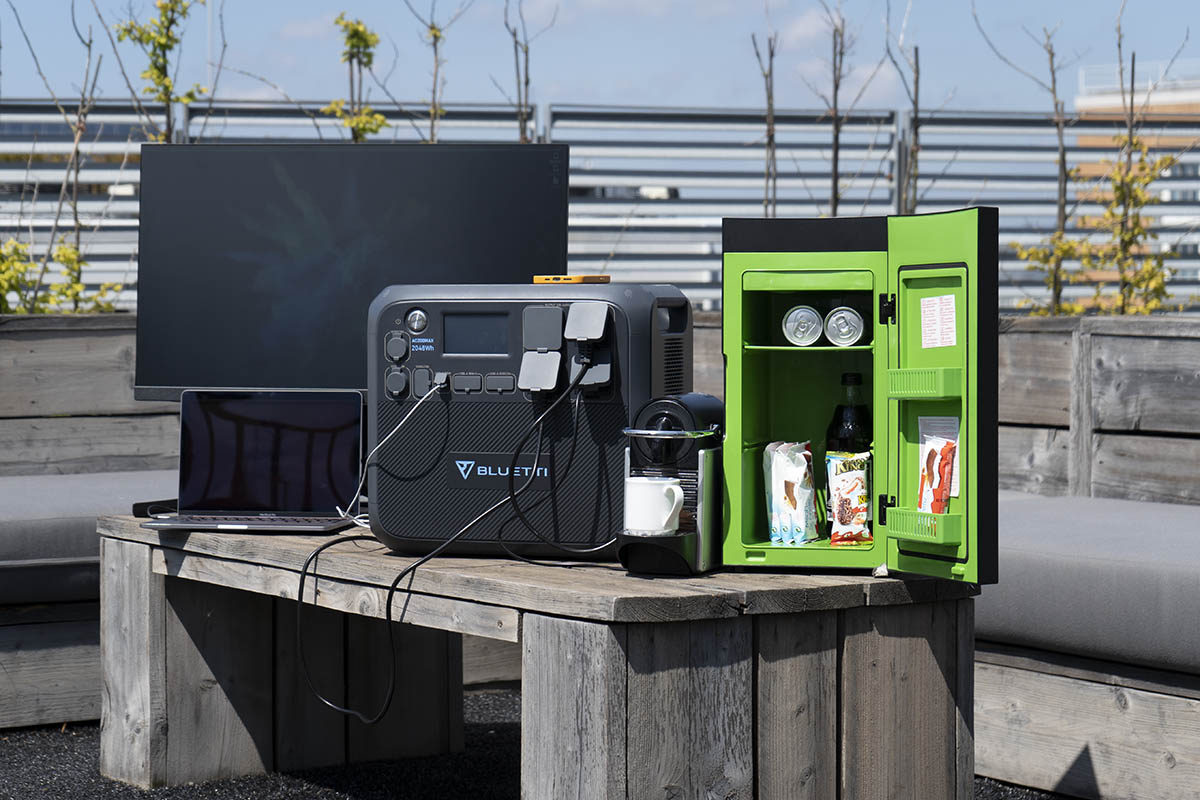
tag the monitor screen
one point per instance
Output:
(257, 262)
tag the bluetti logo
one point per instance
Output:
(491, 471)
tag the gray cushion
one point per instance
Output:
(1110, 579)
(48, 545)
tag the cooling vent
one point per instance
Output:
(673, 382)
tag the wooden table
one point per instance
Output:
(733, 685)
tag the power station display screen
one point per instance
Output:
(475, 334)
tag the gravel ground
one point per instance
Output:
(53, 762)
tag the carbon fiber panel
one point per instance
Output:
(424, 489)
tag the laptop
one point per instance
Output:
(266, 460)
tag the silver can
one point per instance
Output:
(843, 326)
(802, 325)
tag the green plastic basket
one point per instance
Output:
(919, 526)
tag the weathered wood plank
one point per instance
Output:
(24, 324)
(1156, 468)
(49, 672)
(54, 371)
(49, 612)
(1146, 384)
(425, 715)
(1083, 418)
(133, 724)
(1026, 324)
(899, 732)
(1084, 739)
(964, 700)
(775, 593)
(1164, 325)
(573, 707)
(916, 589)
(1034, 460)
(307, 732)
(690, 709)
(340, 595)
(62, 445)
(603, 592)
(1035, 378)
(490, 661)
(1087, 669)
(219, 682)
(796, 705)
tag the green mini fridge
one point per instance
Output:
(925, 356)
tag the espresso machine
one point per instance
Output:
(675, 441)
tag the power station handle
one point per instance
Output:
(649, 434)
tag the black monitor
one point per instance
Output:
(257, 262)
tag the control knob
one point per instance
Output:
(416, 320)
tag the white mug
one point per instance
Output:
(652, 505)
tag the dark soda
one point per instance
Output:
(850, 429)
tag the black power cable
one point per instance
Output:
(391, 593)
(585, 364)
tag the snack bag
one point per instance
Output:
(772, 481)
(799, 494)
(849, 497)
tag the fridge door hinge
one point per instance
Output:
(885, 503)
(887, 309)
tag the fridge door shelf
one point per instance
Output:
(920, 526)
(924, 384)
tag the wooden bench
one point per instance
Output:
(74, 444)
(729, 685)
(1087, 675)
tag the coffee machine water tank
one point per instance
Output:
(678, 437)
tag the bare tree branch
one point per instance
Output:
(1154, 86)
(1001, 56)
(437, 32)
(146, 116)
(771, 169)
(887, 44)
(38, 66)
(212, 91)
(286, 96)
(408, 115)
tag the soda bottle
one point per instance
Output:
(850, 429)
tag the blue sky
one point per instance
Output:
(636, 52)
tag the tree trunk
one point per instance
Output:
(1060, 219)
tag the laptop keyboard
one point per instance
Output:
(255, 520)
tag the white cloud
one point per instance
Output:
(646, 8)
(259, 92)
(883, 91)
(312, 28)
(805, 30)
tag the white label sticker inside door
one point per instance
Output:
(938, 328)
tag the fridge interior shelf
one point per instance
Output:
(792, 348)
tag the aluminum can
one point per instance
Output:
(843, 326)
(802, 325)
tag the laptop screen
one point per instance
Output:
(268, 452)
